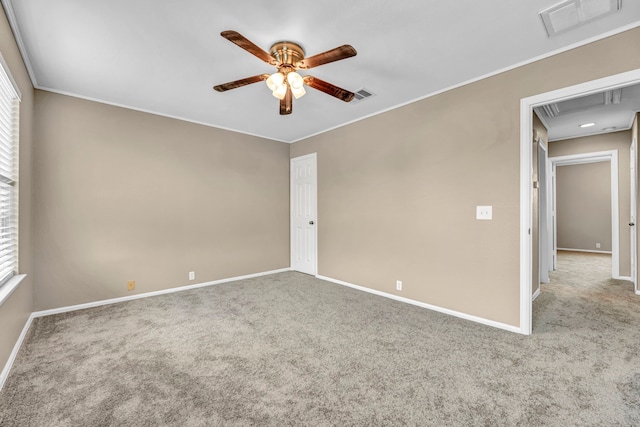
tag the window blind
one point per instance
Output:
(9, 108)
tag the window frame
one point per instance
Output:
(10, 105)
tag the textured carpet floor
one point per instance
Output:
(289, 349)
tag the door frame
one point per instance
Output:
(633, 238)
(544, 214)
(526, 174)
(313, 156)
(610, 156)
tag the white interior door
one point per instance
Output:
(303, 214)
(543, 215)
(554, 222)
(634, 208)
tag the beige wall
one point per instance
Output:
(397, 192)
(15, 311)
(583, 206)
(124, 195)
(621, 142)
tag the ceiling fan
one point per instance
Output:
(288, 58)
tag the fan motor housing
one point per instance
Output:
(287, 53)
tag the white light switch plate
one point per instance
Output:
(484, 212)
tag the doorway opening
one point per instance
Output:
(595, 230)
(527, 105)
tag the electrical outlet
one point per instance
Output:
(597, 245)
(131, 285)
(484, 212)
(398, 285)
(192, 275)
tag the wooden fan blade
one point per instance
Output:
(328, 88)
(248, 45)
(286, 103)
(242, 82)
(342, 52)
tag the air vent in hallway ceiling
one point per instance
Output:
(613, 97)
(551, 110)
(361, 95)
(570, 14)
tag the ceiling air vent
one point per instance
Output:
(361, 95)
(551, 110)
(613, 96)
(570, 14)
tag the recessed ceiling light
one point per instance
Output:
(587, 125)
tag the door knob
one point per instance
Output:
(631, 224)
(311, 222)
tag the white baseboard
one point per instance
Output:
(536, 294)
(152, 294)
(465, 316)
(584, 250)
(16, 347)
(14, 352)
(629, 278)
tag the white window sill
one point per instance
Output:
(7, 289)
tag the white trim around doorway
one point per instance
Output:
(526, 174)
(610, 156)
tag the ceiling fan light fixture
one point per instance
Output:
(298, 92)
(280, 92)
(296, 83)
(275, 81)
(295, 80)
(287, 57)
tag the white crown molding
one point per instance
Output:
(13, 22)
(155, 113)
(491, 74)
(16, 30)
(600, 132)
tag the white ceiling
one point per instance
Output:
(568, 115)
(164, 56)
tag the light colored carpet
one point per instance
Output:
(289, 349)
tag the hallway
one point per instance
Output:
(581, 294)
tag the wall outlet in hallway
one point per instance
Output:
(597, 245)
(398, 285)
(131, 285)
(192, 275)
